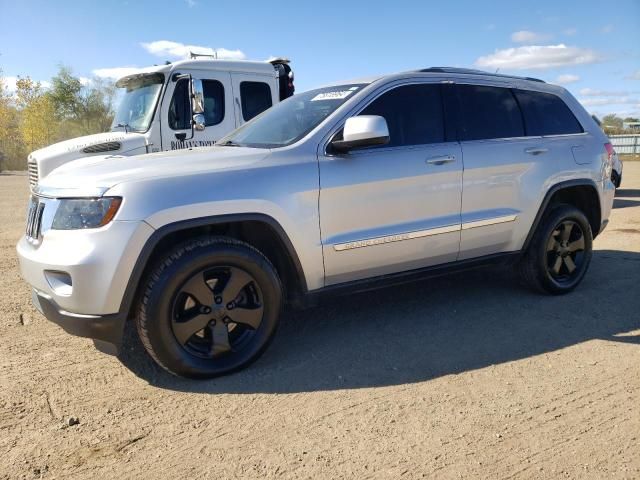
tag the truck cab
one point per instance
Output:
(190, 103)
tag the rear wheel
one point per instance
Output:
(210, 307)
(560, 252)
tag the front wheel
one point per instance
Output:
(560, 252)
(210, 307)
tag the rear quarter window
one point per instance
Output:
(546, 114)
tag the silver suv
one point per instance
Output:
(341, 188)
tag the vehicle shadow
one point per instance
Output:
(424, 330)
(624, 198)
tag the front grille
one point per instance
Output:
(32, 167)
(34, 219)
(102, 147)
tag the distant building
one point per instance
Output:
(635, 126)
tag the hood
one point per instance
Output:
(53, 156)
(95, 175)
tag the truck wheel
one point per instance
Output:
(560, 251)
(210, 307)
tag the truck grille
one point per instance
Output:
(32, 167)
(34, 219)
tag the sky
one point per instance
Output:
(590, 47)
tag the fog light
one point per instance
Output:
(60, 282)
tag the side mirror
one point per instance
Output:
(362, 131)
(198, 122)
(197, 96)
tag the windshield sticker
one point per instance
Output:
(339, 95)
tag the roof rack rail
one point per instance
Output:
(472, 71)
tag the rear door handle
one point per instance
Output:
(536, 150)
(441, 159)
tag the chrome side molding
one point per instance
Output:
(369, 242)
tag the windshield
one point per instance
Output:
(292, 119)
(139, 95)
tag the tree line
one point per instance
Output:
(32, 117)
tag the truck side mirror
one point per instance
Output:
(197, 96)
(198, 122)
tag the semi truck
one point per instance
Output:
(185, 104)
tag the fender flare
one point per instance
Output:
(159, 234)
(582, 182)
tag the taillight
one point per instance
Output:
(610, 152)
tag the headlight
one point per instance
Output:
(77, 213)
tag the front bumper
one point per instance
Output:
(84, 271)
(105, 330)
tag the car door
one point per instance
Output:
(253, 94)
(218, 111)
(394, 207)
(496, 155)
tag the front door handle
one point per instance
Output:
(536, 150)
(441, 159)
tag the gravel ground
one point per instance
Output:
(463, 376)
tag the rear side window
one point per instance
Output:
(256, 98)
(413, 113)
(489, 112)
(179, 108)
(546, 114)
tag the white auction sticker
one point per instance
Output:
(332, 95)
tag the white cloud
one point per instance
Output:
(590, 92)
(85, 81)
(166, 48)
(10, 84)
(599, 102)
(566, 79)
(570, 31)
(115, 73)
(526, 36)
(634, 76)
(190, 3)
(538, 57)
(607, 28)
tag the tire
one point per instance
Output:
(549, 248)
(193, 286)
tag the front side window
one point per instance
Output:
(255, 98)
(413, 113)
(290, 120)
(489, 112)
(546, 114)
(180, 108)
(140, 95)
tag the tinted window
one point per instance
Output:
(256, 98)
(179, 109)
(413, 114)
(213, 102)
(489, 112)
(546, 114)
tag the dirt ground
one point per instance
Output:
(460, 377)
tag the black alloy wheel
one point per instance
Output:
(217, 311)
(560, 251)
(565, 251)
(210, 307)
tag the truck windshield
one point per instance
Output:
(139, 96)
(289, 121)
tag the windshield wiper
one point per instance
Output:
(229, 143)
